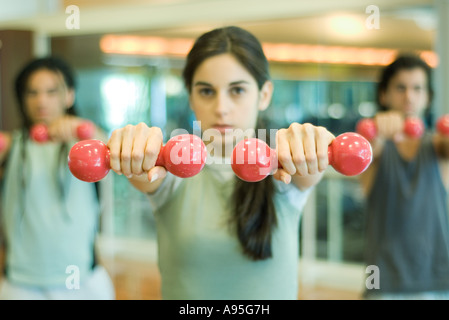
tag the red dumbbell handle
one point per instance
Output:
(349, 154)
(183, 155)
(413, 127)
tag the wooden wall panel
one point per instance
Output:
(16, 49)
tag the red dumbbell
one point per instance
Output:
(2, 142)
(443, 125)
(39, 132)
(349, 154)
(413, 127)
(183, 155)
(85, 130)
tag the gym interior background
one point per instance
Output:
(324, 58)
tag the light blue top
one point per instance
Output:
(200, 256)
(46, 234)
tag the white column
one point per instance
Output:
(307, 268)
(158, 102)
(335, 219)
(42, 44)
(441, 74)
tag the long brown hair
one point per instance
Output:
(254, 214)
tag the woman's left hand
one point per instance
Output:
(302, 151)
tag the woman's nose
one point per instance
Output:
(222, 104)
(40, 98)
(409, 94)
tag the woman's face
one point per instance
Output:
(407, 92)
(47, 97)
(226, 100)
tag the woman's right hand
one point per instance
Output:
(134, 151)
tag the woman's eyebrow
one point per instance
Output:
(203, 83)
(239, 82)
(52, 88)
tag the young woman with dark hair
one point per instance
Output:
(218, 237)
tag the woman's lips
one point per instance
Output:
(41, 114)
(222, 128)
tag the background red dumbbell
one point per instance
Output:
(349, 154)
(183, 155)
(413, 127)
(39, 132)
(2, 142)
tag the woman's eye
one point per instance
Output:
(237, 90)
(31, 93)
(400, 88)
(418, 89)
(206, 91)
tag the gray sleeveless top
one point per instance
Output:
(407, 223)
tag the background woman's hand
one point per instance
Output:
(390, 125)
(64, 128)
